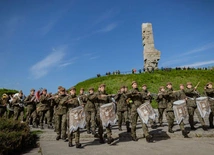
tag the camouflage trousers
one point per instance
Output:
(18, 112)
(30, 110)
(49, 115)
(211, 115)
(170, 116)
(100, 128)
(191, 111)
(122, 115)
(134, 118)
(160, 114)
(2, 111)
(41, 115)
(75, 134)
(61, 125)
(90, 120)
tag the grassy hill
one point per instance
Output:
(7, 91)
(153, 80)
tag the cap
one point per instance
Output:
(32, 89)
(168, 83)
(82, 89)
(144, 85)
(91, 88)
(133, 82)
(72, 88)
(102, 85)
(60, 87)
(189, 83)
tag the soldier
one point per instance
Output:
(31, 106)
(18, 104)
(61, 114)
(103, 99)
(90, 111)
(129, 105)
(3, 104)
(50, 111)
(43, 107)
(73, 102)
(209, 91)
(136, 99)
(146, 96)
(122, 108)
(192, 107)
(162, 104)
(171, 97)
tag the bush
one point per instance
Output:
(15, 137)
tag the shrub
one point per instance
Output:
(15, 137)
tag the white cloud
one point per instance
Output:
(198, 64)
(108, 28)
(42, 67)
(94, 57)
(69, 62)
(200, 49)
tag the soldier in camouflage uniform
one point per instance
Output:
(61, 114)
(146, 95)
(103, 99)
(43, 107)
(90, 111)
(192, 107)
(129, 105)
(50, 112)
(162, 104)
(3, 104)
(73, 102)
(171, 97)
(122, 108)
(18, 104)
(209, 91)
(136, 98)
(31, 106)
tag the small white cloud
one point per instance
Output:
(42, 67)
(69, 62)
(200, 49)
(94, 57)
(198, 64)
(108, 28)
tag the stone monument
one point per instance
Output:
(150, 54)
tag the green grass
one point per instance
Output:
(153, 80)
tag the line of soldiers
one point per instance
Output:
(58, 105)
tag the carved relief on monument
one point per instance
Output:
(150, 54)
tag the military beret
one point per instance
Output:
(189, 83)
(32, 89)
(209, 83)
(82, 89)
(168, 83)
(133, 82)
(144, 85)
(102, 85)
(72, 88)
(91, 88)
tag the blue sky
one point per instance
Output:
(51, 43)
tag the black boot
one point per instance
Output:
(110, 140)
(193, 128)
(185, 134)
(204, 127)
(149, 139)
(134, 138)
(170, 130)
(78, 145)
(211, 126)
(58, 137)
(127, 127)
(88, 132)
(101, 141)
(70, 144)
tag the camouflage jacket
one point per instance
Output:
(61, 104)
(136, 98)
(171, 97)
(161, 100)
(120, 98)
(44, 103)
(191, 97)
(30, 100)
(180, 95)
(145, 96)
(18, 102)
(210, 94)
(90, 104)
(102, 100)
(72, 102)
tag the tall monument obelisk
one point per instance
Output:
(150, 54)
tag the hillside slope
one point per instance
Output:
(153, 80)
